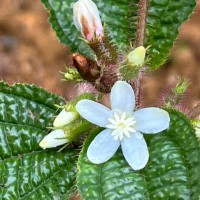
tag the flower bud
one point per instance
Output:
(64, 118)
(137, 56)
(53, 139)
(87, 19)
(181, 86)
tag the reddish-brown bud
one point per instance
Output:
(88, 69)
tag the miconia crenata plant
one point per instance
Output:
(103, 144)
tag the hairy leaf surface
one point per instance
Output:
(26, 170)
(165, 18)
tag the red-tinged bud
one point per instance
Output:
(87, 19)
(88, 69)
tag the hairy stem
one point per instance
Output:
(138, 90)
(140, 41)
(142, 20)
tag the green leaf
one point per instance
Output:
(171, 173)
(26, 171)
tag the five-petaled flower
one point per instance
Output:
(123, 126)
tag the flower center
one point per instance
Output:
(123, 124)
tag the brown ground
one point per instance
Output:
(30, 52)
(29, 49)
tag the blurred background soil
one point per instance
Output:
(30, 52)
(29, 49)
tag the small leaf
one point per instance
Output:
(171, 173)
(27, 171)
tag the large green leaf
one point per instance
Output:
(120, 17)
(165, 18)
(171, 173)
(27, 171)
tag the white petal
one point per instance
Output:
(64, 118)
(135, 151)
(76, 16)
(122, 97)
(138, 135)
(151, 120)
(53, 139)
(103, 147)
(94, 112)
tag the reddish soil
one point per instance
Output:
(29, 49)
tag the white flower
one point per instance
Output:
(123, 126)
(53, 139)
(86, 19)
(64, 118)
(137, 56)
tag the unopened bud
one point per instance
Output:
(87, 19)
(137, 56)
(181, 86)
(53, 139)
(64, 118)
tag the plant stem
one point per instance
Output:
(138, 90)
(140, 41)
(138, 87)
(142, 21)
